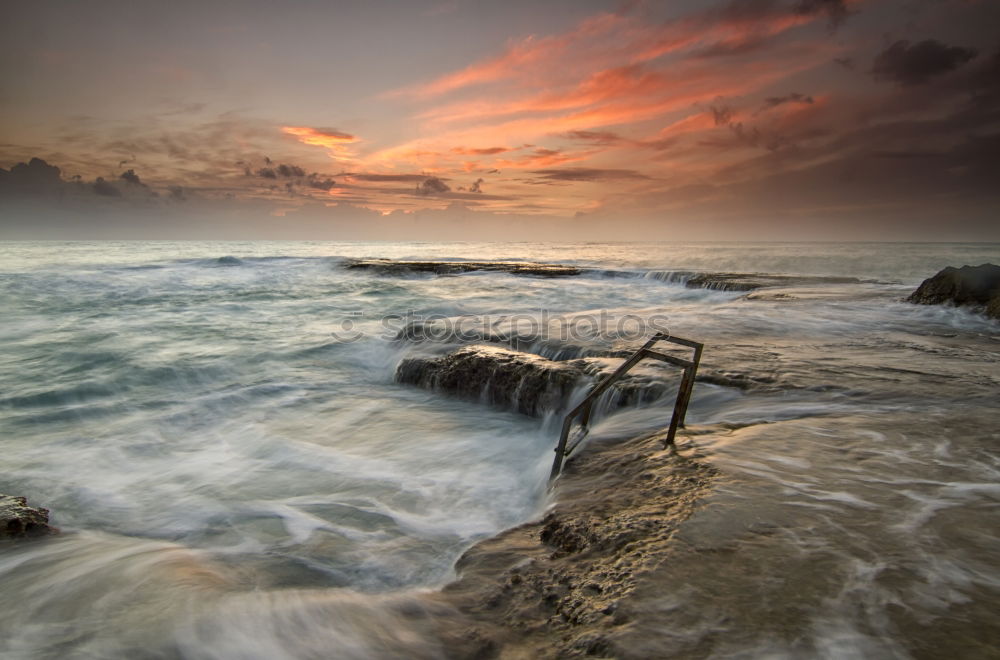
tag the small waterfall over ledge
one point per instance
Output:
(525, 382)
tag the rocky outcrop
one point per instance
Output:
(977, 286)
(523, 382)
(689, 278)
(389, 267)
(561, 587)
(526, 383)
(18, 520)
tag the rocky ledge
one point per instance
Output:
(745, 281)
(389, 267)
(561, 587)
(689, 278)
(975, 286)
(523, 382)
(18, 520)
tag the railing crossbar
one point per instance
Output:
(668, 358)
(585, 407)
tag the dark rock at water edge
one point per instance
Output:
(18, 520)
(389, 267)
(966, 286)
(523, 382)
(526, 383)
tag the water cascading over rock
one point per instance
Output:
(527, 383)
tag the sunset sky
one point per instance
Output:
(458, 119)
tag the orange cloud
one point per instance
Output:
(627, 41)
(331, 139)
(518, 57)
(542, 157)
(647, 85)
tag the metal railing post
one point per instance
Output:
(585, 408)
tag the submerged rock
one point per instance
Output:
(966, 286)
(18, 520)
(389, 267)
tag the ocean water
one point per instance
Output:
(216, 428)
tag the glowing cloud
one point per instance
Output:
(331, 139)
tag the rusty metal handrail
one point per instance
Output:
(585, 407)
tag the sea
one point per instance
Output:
(217, 430)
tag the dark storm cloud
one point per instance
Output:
(290, 171)
(292, 175)
(913, 64)
(34, 174)
(105, 189)
(129, 176)
(37, 180)
(273, 172)
(319, 182)
(433, 186)
(587, 174)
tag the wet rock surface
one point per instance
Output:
(558, 587)
(18, 520)
(390, 267)
(524, 382)
(718, 281)
(977, 286)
